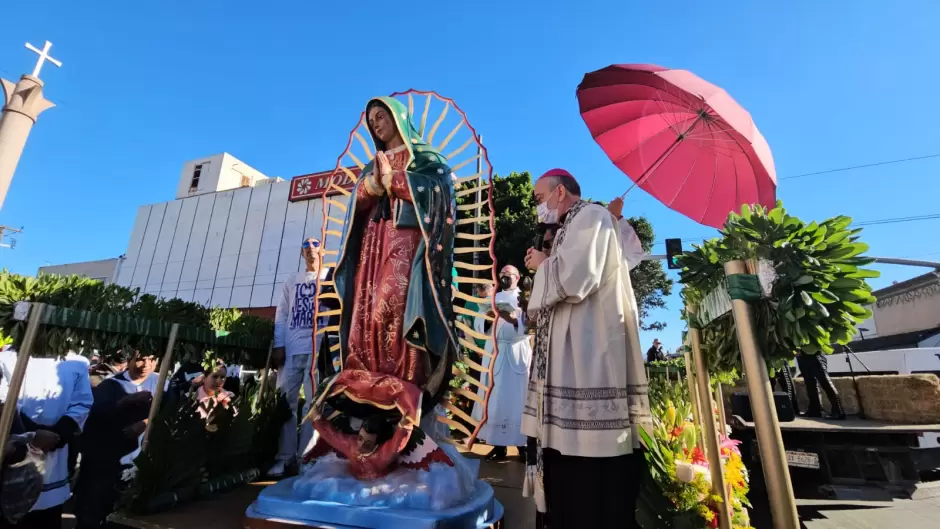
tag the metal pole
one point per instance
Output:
(267, 367)
(19, 373)
(770, 441)
(709, 432)
(882, 260)
(720, 400)
(478, 197)
(907, 262)
(161, 382)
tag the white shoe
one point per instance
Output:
(278, 470)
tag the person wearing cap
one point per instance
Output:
(655, 353)
(587, 394)
(293, 352)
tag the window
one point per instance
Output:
(245, 181)
(194, 184)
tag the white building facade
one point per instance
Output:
(229, 239)
(104, 270)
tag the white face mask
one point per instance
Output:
(546, 215)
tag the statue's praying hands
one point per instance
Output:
(383, 170)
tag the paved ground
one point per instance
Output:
(898, 514)
(506, 479)
(226, 511)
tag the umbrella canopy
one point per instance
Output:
(682, 139)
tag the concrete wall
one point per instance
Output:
(912, 309)
(228, 249)
(221, 172)
(103, 270)
(869, 324)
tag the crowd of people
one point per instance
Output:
(79, 427)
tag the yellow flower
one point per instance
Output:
(670, 415)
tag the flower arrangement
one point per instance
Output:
(736, 479)
(680, 471)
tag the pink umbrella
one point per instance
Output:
(682, 139)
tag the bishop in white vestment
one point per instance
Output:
(587, 390)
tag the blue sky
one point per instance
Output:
(147, 85)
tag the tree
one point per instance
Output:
(516, 223)
(516, 227)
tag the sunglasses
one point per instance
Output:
(312, 243)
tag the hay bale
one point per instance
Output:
(844, 386)
(908, 399)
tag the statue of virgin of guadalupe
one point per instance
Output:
(393, 277)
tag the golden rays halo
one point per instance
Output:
(443, 125)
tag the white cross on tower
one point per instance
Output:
(43, 57)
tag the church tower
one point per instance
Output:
(22, 104)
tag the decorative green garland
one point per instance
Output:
(819, 295)
(75, 292)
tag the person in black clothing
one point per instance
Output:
(112, 364)
(815, 372)
(655, 353)
(784, 380)
(118, 418)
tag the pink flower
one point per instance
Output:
(731, 445)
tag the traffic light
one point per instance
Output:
(673, 251)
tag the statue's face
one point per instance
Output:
(366, 442)
(380, 121)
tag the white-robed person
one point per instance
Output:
(587, 391)
(56, 397)
(503, 427)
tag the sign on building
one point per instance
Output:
(312, 186)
